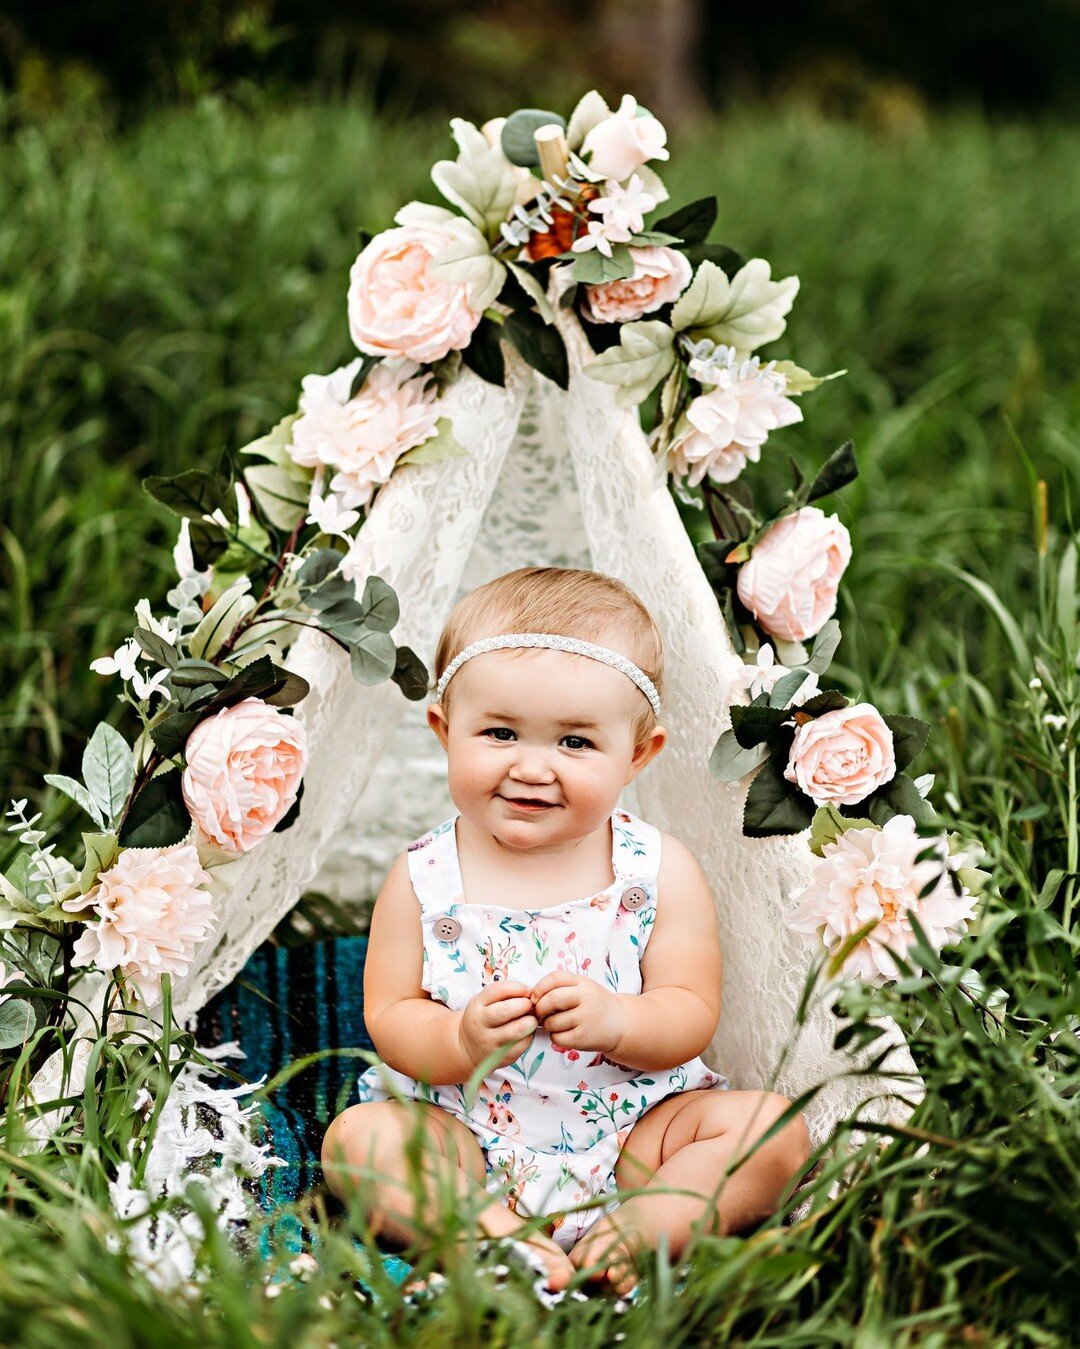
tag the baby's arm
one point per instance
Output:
(411, 1032)
(676, 1014)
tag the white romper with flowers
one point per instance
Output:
(552, 1123)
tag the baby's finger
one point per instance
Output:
(499, 989)
(552, 980)
(517, 1030)
(558, 1000)
(561, 1021)
(499, 1013)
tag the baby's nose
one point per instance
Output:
(531, 765)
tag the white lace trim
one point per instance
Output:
(550, 640)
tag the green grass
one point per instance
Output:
(163, 291)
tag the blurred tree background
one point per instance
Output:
(682, 57)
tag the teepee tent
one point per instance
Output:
(562, 478)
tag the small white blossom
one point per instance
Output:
(624, 208)
(1035, 682)
(766, 673)
(121, 662)
(331, 515)
(164, 628)
(1055, 722)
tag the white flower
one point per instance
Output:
(766, 673)
(330, 515)
(243, 510)
(624, 208)
(363, 437)
(624, 141)
(184, 559)
(164, 628)
(145, 688)
(872, 875)
(121, 662)
(152, 911)
(724, 428)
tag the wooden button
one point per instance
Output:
(634, 896)
(447, 928)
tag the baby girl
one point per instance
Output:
(566, 942)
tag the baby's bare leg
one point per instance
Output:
(368, 1146)
(687, 1142)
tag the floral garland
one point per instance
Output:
(264, 550)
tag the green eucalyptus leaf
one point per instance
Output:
(730, 762)
(380, 604)
(373, 656)
(825, 644)
(518, 144)
(316, 567)
(410, 674)
(593, 268)
(108, 767)
(157, 818)
(786, 687)
(280, 492)
(17, 1022)
(193, 493)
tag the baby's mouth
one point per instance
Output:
(529, 802)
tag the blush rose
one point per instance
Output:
(660, 276)
(842, 756)
(791, 579)
(244, 769)
(624, 141)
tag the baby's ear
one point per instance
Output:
(436, 719)
(647, 750)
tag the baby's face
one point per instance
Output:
(540, 743)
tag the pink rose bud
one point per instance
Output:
(624, 141)
(244, 768)
(790, 582)
(842, 756)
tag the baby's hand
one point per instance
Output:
(501, 1014)
(581, 1012)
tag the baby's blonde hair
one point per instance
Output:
(565, 601)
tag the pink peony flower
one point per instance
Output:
(397, 307)
(790, 581)
(660, 276)
(727, 426)
(363, 437)
(244, 767)
(624, 141)
(872, 874)
(842, 756)
(152, 912)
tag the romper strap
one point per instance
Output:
(434, 870)
(635, 847)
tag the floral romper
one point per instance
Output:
(552, 1123)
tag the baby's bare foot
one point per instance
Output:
(559, 1269)
(606, 1254)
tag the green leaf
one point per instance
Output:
(900, 796)
(190, 674)
(518, 144)
(253, 681)
(910, 734)
(316, 567)
(289, 689)
(744, 313)
(469, 259)
(194, 493)
(827, 826)
(410, 674)
(156, 648)
(592, 268)
(591, 110)
(730, 762)
(840, 468)
(800, 380)
(828, 700)
(774, 805)
(170, 735)
(374, 657)
(333, 591)
(442, 445)
(78, 794)
(101, 851)
(274, 446)
(725, 258)
(291, 815)
(222, 620)
(533, 289)
(692, 222)
(654, 238)
(380, 604)
(642, 359)
(367, 364)
(755, 724)
(208, 542)
(540, 344)
(484, 354)
(108, 767)
(17, 1022)
(281, 493)
(786, 687)
(157, 818)
(480, 180)
(825, 644)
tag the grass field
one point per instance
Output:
(162, 292)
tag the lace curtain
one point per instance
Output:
(566, 479)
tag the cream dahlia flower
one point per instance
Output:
(152, 910)
(362, 438)
(872, 875)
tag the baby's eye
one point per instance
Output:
(577, 742)
(503, 733)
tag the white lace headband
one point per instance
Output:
(507, 640)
